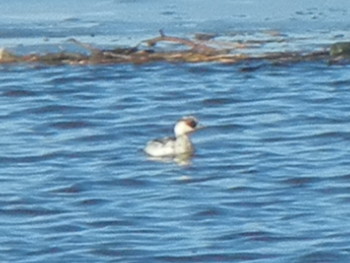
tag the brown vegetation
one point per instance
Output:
(203, 48)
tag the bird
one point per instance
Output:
(175, 146)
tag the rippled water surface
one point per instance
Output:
(270, 180)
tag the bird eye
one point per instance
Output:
(192, 123)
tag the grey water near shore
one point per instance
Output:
(270, 178)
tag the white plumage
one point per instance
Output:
(174, 146)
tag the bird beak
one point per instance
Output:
(200, 127)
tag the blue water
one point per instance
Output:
(270, 180)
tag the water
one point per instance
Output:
(269, 181)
